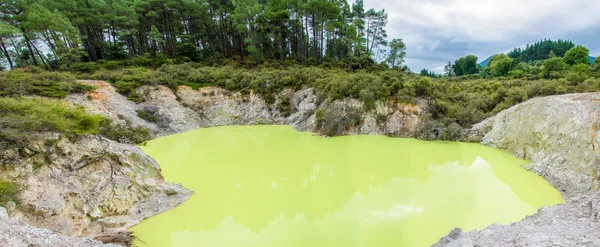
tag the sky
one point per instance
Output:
(438, 31)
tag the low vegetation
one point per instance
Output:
(9, 191)
(23, 113)
(19, 118)
(124, 132)
(35, 81)
(454, 100)
(464, 101)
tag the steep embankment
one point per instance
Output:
(88, 186)
(559, 134)
(188, 109)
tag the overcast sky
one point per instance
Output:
(438, 31)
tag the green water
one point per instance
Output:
(264, 186)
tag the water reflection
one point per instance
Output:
(272, 186)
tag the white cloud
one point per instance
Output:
(492, 20)
(457, 40)
(434, 45)
(454, 28)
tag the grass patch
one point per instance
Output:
(9, 191)
(34, 81)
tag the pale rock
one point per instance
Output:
(14, 233)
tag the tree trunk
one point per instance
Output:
(41, 57)
(29, 47)
(6, 54)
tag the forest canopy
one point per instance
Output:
(63, 32)
(541, 50)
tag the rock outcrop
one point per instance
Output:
(16, 234)
(188, 109)
(574, 223)
(559, 134)
(106, 101)
(90, 186)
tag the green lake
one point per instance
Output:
(262, 186)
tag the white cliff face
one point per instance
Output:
(188, 109)
(89, 186)
(559, 134)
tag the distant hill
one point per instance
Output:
(487, 60)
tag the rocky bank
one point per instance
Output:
(575, 223)
(559, 135)
(16, 234)
(90, 186)
(95, 187)
(188, 109)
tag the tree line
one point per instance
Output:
(572, 64)
(54, 33)
(541, 50)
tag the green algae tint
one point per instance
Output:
(263, 186)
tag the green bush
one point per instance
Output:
(285, 106)
(334, 121)
(21, 82)
(579, 73)
(554, 68)
(124, 133)
(88, 67)
(9, 191)
(147, 114)
(19, 117)
(463, 100)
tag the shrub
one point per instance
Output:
(19, 118)
(578, 73)
(148, 114)
(451, 132)
(9, 191)
(39, 115)
(87, 67)
(124, 133)
(285, 106)
(21, 82)
(334, 121)
(577, 55)
(554, 68)
(319, 118)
